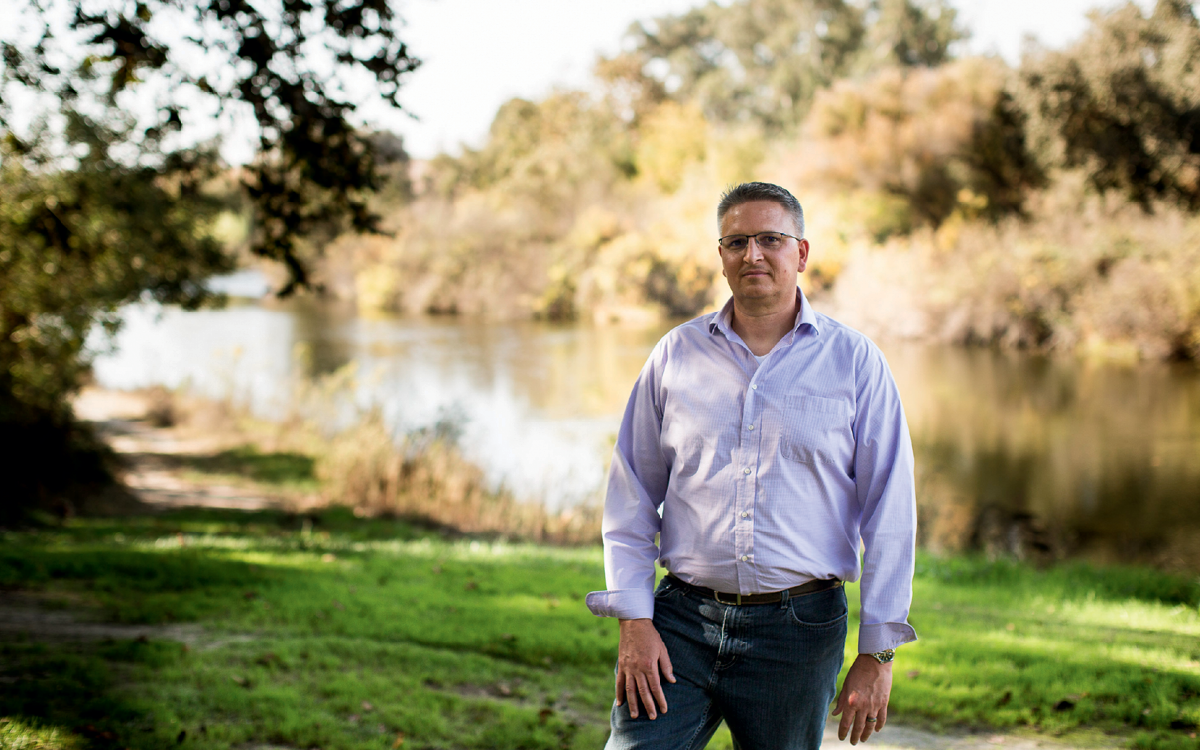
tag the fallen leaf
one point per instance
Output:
(353, 719)
(366, 705)
(399, 740)
(328, 557)
(1145, 712)
(503, 689)
(241, 681)
(914, 674)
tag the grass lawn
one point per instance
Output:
(351, 633)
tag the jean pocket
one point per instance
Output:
(824, 609)
(666, 587)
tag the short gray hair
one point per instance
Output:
(749, 192)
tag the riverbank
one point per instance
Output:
(293, 626)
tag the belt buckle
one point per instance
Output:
(717, 596)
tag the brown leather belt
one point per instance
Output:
(811, 587)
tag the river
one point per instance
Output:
(1019, 454)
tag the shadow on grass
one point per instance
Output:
(280, 469)
(364, 632)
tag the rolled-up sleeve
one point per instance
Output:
(883, 467)
(637, 485)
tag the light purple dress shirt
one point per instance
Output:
(760, 477)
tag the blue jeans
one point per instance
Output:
(769, 670)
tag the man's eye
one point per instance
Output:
(769, 241)
(736, 243)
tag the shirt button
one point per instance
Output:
(754, 387)
(745, 558)
(745, 471)
(751, 427)
(745, 514)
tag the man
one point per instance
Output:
(760, 444)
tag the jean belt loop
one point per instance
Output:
(783, 598)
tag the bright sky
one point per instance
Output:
(480, 53)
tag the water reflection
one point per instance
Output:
(1041, 456)
(1027, 455)
(538, 404)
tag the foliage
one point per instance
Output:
(98, 209)
(940, 140)
(1123, 104)
(75, 245)
(285, 65)
(318, 633)
(763, 61)
(1081, 274)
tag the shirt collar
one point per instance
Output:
(806, 317)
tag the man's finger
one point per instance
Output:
(659, 697)
(620, 688)
(664, 663)
(846, 722)
(882, 718)
(870, 727)
(631, 696)
(647, 698)
(860, 723)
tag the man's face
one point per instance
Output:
(756, 276)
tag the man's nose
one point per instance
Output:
(753, 251)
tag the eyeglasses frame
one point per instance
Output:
(753, 237)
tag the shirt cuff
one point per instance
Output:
(627, 604)
(882, 636)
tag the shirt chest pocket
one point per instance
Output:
(816, 430)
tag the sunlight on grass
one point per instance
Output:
(361, 631)
(19, 735)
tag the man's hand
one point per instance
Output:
(640, 657)
(864, 696)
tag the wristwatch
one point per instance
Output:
(883, 657)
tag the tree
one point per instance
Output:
(763, 61)
(1123, 103)
(98, 209)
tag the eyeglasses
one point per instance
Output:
(766, 241)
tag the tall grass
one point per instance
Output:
(425, 475)
(328, 451)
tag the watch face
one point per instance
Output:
(883, 657)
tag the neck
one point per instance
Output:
(762, 327)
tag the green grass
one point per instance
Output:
(355, 633)
(248, 465)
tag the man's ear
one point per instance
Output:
(803, 250)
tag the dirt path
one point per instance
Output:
(151, 454)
